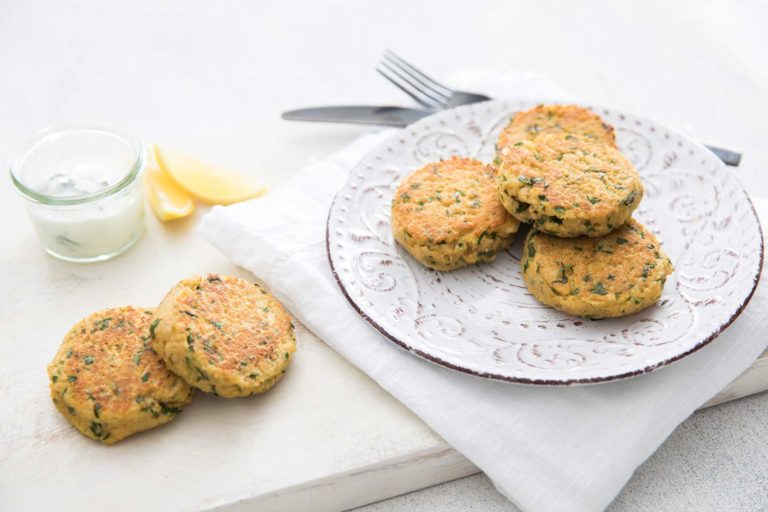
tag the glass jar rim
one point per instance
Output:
(45, 135)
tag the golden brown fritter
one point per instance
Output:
(447, 214)
(610, 276)
(558, 120)
(108, 382)
(568, 186)
(223, 335)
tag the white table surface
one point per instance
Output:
(211, 79)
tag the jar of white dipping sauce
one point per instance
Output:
(82, 191)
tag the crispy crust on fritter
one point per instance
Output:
(224, 335)
(556, 119)
(615, 275)
(108, 382)
(447, 214)
(568, 186)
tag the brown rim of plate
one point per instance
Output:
(546, 382)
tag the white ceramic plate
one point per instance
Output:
(482, 320)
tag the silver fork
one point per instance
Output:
(434, 96)
(427, 92)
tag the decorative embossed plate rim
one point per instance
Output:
(452, 123)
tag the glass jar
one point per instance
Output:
(82, 191)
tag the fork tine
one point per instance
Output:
(420, 83)
(419, 75)
(408, 87)
(417, 97)
(407, 91)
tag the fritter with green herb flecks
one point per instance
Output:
(615, 275)
(555, 119)
(568, 186)
(223, 335)
(447, 214)
(108, 382)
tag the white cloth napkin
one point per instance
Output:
(546, 449)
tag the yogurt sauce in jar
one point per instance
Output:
(82, 192)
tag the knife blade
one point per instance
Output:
(358, 114)
(401, 116)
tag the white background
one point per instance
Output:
(215, 75)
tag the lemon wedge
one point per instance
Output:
(168, 200)
(206, 182)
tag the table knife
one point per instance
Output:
(401, 116)
(385, 116)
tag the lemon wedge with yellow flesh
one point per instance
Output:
(168, 200)
(206, 182)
